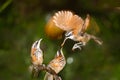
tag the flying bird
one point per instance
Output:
(75, 28)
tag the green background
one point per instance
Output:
(22, 22)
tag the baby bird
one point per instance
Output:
(57, 64)
(36, 57)
(75, 28)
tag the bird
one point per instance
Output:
(36, 57)
(74, 27)
(57, 64)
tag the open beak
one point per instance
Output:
(59, 52)
(38, 43)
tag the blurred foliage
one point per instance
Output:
(23, 21)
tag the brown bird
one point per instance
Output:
(75, 28)
(36, 57)
(57, 64)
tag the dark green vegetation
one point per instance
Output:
(23, 21)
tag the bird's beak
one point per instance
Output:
(59, 52)
(38, 44)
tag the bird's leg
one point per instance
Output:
(97, 40)
(67, 36)
(64, 41)
(78, 45)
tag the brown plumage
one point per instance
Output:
(57, 64)
(36, 57)
(75, 28)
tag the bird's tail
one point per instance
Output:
(48, 76)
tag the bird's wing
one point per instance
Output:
(66, 20)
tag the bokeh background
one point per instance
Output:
(23, 21)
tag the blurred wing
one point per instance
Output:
(76, 23)
(86, 24)
(62, 19)
(67, 21)
(93, 27)
(52, 31)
